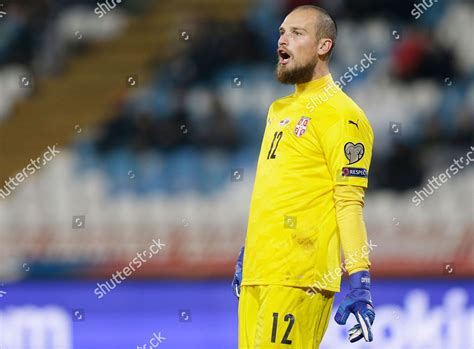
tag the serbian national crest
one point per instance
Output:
(300, 128)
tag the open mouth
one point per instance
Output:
(283, 56)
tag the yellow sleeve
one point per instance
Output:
(349, 201)
(347, 147)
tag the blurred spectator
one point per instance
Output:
(402, 169)
(19, 32)
(419, 56)
(218, 128)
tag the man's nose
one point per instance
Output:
(283, 40)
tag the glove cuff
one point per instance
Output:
(360, 280)
(240, 261)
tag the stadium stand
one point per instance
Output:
(173, 151)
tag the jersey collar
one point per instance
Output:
(313, 85)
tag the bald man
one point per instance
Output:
(307, 202)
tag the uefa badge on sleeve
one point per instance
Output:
(301, 126)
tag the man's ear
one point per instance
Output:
(324, 46)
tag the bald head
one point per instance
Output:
(326, 26)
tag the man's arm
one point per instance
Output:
(349, 202)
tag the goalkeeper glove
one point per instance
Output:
(359, 303)
(238, 274)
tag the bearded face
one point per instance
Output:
(297, 48)
(288, 72)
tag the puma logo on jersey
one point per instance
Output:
(354, 123)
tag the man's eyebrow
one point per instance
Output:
(293, 28)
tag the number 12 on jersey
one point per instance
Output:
(276, 140)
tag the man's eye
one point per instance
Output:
(297, 33)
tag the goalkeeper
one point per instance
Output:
(307, 202)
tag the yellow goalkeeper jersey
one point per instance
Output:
(314, 139)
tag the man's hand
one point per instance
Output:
(359, 303)
(238, 274)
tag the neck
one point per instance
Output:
(321, 69)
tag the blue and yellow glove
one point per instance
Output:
(238, 274)
(359, 303)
